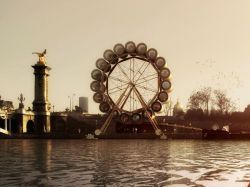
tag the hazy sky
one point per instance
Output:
(205, 42)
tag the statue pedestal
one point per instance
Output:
(41, 104)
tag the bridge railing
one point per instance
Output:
(5, 129)
(180, 126)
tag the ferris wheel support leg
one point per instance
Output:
(152, 120)
(110, 116)
(106, 124)
(155, 125)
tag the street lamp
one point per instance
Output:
(71, 102)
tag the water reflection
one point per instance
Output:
(124, 163)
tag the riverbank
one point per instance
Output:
(106, 136)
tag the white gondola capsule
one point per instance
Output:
(104, 107)
(98, 75)
(156, 106)
(166, 85)
(162, 96)
(136, 117)
(130, 48)
(120, 51)
(103, 65)
(165, 73)
(98, 97)
(141, 49)
(160, 62)
(124, 117)
(96, 86)
(152, 54)
(110, 56)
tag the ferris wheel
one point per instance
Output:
(131, 81)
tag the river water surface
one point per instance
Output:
(124, 163)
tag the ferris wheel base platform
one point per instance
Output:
(150, 136)
(129, 136)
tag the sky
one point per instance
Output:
(205, 43)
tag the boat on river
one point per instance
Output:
(211, 134)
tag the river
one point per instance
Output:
(124, 163)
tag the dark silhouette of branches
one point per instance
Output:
(222, 102)
(200, 99)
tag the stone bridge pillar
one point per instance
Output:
(41, 105)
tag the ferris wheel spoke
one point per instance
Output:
(151, 75)
(138, 69)
(118, 79)
(133, 101)
(149, 85)
(141, 73)
(118, 90)
(130, 69)
(133, 69)
(118, 87)
(125, 68)
(123, 72)
(129, 100)
(146, 88)
(140, 98)
(146, 80)
(126, 98)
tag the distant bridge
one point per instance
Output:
(4, 130)
(181, 126)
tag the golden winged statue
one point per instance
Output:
(41, 56)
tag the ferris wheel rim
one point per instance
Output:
(109, 64)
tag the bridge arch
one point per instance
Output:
(60, 125)
(30, 126)
(2, 121)
(15, 127)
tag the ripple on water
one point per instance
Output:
(124, 163)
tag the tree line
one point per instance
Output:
(209, 102)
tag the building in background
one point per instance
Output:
(83, 104)
(247, 109)
(6, 105)
(178, 109)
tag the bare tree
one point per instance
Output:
(205, 96)
(222, 102)
(200, 99)
(194, 101)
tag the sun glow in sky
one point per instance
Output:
(205, 43)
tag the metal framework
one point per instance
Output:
(131, 81)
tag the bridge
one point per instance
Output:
(4, 129)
